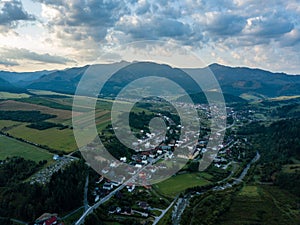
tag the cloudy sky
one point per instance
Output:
(55, 34)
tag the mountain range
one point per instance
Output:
(233, 80)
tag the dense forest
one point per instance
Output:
(278, 144)
(16, 169)
(21, 200)
(42, 125)
(25, 116)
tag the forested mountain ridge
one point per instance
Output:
(233, 80)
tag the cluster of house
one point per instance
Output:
(118, 210)
(139, 160)
(127, 210)
(48, 219)
(142, 158)
(109, 185)
(130, 187)
(104, 186)
(44, 175)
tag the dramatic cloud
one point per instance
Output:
(179, 20)
(81, 19)
(152, 28)
(24, 54)
(270, 26)
(12, 12)
(218, 23)
(84, 29)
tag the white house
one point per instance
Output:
(123, 159)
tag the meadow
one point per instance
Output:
(10, 147)
(176, 184)
(7, 95)
(54, 138)
(60, 106)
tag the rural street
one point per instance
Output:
(107, 197)
(178, 212)
(157, 219)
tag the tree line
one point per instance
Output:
(21, 200)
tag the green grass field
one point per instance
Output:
(54, 138)
(10, 147)
(7, 124)
(282, 98)
(8, 95)
(249, 191)
(206, 176)
(42, 92)
(174, 185)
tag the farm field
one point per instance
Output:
(174, 185)
(281, 98)
(54, 138)
(10, 147)
(61, 114)
(8, 124)
(43, 92)
(8, 95)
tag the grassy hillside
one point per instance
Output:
(261, 205)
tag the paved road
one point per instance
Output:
(157, 219)
(106, 198)
(90, 209)
(86, 188)
(71, 213)
(19, 221)
(178, 213)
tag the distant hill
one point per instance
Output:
(139, 70)
(241, 80)
(22, 79)
(200, 98)
(5, 86)
(234, 81)
(64, 81)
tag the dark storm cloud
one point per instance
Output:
(11, 12)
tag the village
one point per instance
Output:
(149, 160)
(153, 156)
